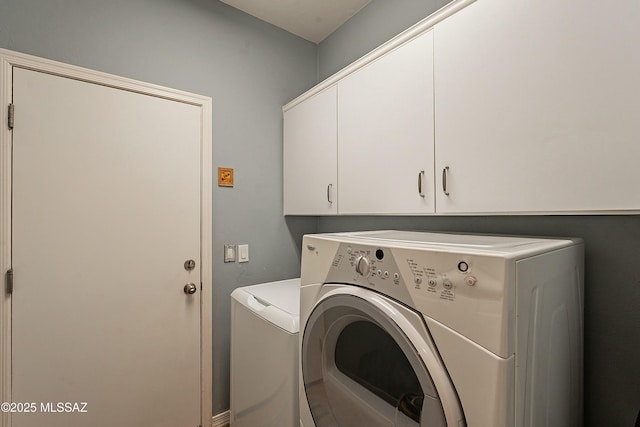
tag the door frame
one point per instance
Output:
(9, 60)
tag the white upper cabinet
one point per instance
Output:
(385, 133)
(310, 156)
(538, 107)
(485, 107)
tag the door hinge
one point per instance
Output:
(9, 281)
(11, 116)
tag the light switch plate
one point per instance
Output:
(243, 253)
(229, 253)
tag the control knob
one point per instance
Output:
(363, 265)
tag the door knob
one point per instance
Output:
(190, 289)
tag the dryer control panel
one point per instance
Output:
(439, 274)
(371, 267)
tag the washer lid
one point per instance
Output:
(284, 294)
(276, 302)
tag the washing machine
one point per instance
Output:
(433, 329)
(264, 355)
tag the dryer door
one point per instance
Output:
(369, 361)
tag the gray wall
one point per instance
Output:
(373, 25)
(612, 277)
(249, 68)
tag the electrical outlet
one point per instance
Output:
(229, 253)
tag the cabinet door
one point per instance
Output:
(310, 156)
(385, 133)
(538, 107)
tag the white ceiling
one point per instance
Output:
(312, 20)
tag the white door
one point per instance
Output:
(106, 210)
(311, 156)
(385, 133)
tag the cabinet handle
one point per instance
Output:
(420, 178)
(330, 193)
(444, 180)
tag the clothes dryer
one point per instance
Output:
(425, 329)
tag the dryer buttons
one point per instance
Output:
(446, 283)
(471, 281)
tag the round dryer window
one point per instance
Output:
(369, 361)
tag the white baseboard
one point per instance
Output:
(221, 420)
